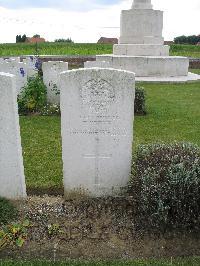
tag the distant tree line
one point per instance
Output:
(193, 39)
(68, 40)
(20, 38)
(23, 38)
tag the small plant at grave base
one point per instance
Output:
(8, 211)
(33, 96)
(53, 230)
(166, 180)
(50, 109)
(14, 234)
(140, 108)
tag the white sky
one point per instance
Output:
(181, 17)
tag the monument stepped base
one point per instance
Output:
(179, 79)
(141, 49)
(149, 66)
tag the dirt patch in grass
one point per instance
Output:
(88, 228)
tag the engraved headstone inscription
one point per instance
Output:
(12, 180)
(97, 113)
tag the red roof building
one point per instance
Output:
(108, 40)
(35, 40)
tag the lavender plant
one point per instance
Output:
(166, 179)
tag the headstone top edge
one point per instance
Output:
(5, 74)
(54, 62)
(96, 69)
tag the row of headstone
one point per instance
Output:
(22, 70)
(29, 68)
(97, 111)
(18, 69)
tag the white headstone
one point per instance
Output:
(97, 110)
(51, 71)
(19, 70)
(31, 63)
(12, 180)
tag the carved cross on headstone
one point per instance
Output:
(97, 156)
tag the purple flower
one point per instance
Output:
(22, 72)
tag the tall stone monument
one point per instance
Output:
(97, 113)
(141, 46)
(12, 180)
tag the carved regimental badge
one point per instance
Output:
(98, 95)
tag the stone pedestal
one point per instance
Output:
(141, 26)
(141, 49)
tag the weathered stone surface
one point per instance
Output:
(51, 71)
(97, 107)
(142, 4)
(12, 180)
(141, 49)
(175, 79)
(101, 64)
(149, 66)
(141, 26)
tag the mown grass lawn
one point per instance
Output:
(196, 71)
(185, 50)
(51, 48)
(173, 115)
(172, 262)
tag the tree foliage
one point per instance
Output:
(68, 40)
(20, 38)
(193, 39)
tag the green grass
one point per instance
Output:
(54, 49)
(41, 141)
(82, 49)
(185, 50)
(196, 71)
(173, 114)
(174, 262)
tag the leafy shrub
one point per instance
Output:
(8, 212)
(166, 179)
(140, 108)
(14, 234)
(33, 96)
(192, 39)
(68, 40)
